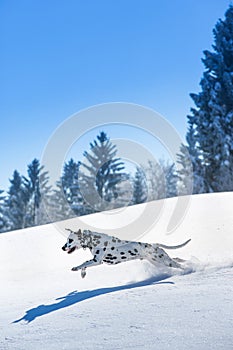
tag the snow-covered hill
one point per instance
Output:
(44, 305)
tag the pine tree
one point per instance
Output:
(66, 200)
(42, 214)
(171, 179)
(155, 181)
(162, 180)
(36, 186)
(16, 203)
(70, 185)
(3, 223)
(101, 174)
(185, 172)
(211, 122)
(139, 187)
(59, 208)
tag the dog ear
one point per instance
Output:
(79, 232)
(68, 229)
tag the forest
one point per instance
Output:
(102, 183)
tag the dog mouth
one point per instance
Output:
(71, 250)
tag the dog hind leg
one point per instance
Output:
(159, 256)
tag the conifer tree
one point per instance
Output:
(42, 215)
(16, 203)
(185, 173)
(210, 130)
(59, 208)
(101, 174)
(171, 179)
(66, 201)
(156, 181)
(3, 223)
(70, 185)
(36, 186)
(139, 187)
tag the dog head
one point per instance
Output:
(73, 242)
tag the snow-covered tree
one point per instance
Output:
(16, 203)
(171, 180)
(42, 215)
(36, 186)
(155, 180)
(211, 123)
(140, 190)
(70, 186)
(186, 158)
(162, 180)
(67, 201)
(101, 174)
(58, 206)
(2, 213)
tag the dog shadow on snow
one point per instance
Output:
(77, 297)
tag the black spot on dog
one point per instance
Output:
(106, 243)
(97, 252)
(129, 251)
(136, 251)
(109, 254)
(122, 253)
(107, 261)
(170, 264)
(104, 249)
(123, 257)
(112, 248)
(160, 256)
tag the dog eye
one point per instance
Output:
(70, 240)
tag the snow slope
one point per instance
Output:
(44, 305)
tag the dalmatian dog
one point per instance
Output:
(111, 250)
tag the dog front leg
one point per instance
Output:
(82, 267)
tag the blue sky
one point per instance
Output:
(58, 57)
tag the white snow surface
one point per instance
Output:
(133, 305)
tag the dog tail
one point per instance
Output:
(172, 246)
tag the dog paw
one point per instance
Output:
(83, 273)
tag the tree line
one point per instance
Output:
(98, 183)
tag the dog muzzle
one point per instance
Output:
(68, 250)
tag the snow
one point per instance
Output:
(44, 305)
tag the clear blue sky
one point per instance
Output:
(58, 57)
